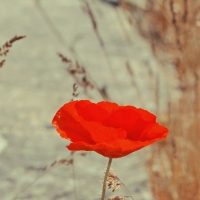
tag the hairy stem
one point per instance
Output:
(105, 179)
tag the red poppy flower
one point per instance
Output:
(109, 129)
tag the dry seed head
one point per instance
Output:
(75, 94)
(80, 75)
(15, 39)
(1, 63)
(113, 181)
(112, 175)
(78, 72)
(54, 163)
(61, 162)
(117, 198)
(4, 50)
(83, 153)
(64, 59)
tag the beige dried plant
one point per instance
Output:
(78, 72)
(4, 50)
(172, 29)
(113, 181)
(117, 198)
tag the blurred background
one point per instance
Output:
(143, 53)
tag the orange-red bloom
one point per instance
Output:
(109, 129)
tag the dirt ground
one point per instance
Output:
(34, 84)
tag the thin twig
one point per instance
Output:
(29, 185)
(134, 84)
(54, 30)
(101, 42)
(122, 26)
(66, 161)
(74, 178)
(127, 189)
(174, 22)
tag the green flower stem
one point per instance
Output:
(105, 179)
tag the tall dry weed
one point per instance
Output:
(172, 27)
(4, 50)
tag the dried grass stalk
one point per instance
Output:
(4, 50)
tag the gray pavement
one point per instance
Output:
(34, 84)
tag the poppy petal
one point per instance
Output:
(108, 106)
(146, 115)
(67, 124)
(129, 119)
(114, 149)
(100, 133)
(91, 111)
(156, 131)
